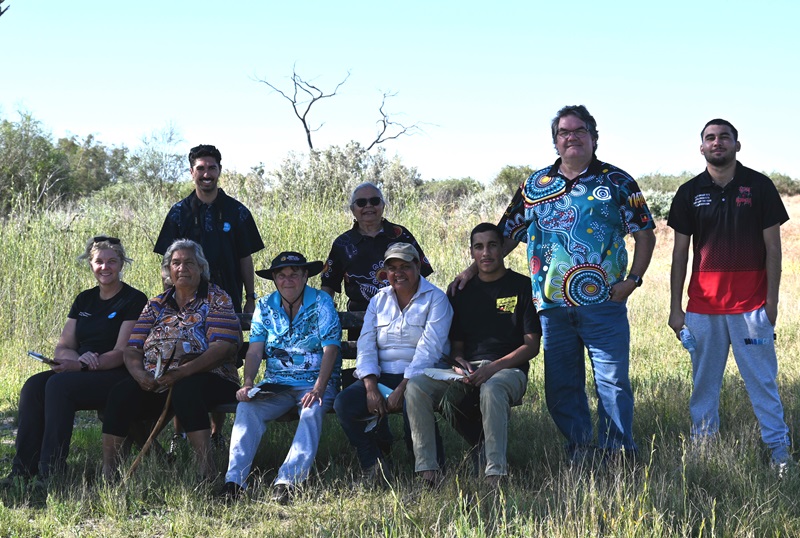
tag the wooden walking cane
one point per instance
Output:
(153, 434)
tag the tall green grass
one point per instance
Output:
(673, 492)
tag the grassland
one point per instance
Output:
(730, 492)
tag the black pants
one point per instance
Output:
(192, 399)
(47, 406)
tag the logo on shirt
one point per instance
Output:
(112, 315)
(226, 226)
(506, 305)
(636, 200)
(84, 314)
(744, 197)
(702, 200)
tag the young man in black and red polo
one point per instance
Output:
(733, 216)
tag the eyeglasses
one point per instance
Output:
(107, 239)
(375, 201)
(563, 134)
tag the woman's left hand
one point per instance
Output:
(90, 359)
(312, 396)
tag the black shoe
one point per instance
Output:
(232, 491)
(282, 494)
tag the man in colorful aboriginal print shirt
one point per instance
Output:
(574, 216)
(733, 216)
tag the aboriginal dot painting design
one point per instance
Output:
(585, 284)
(544, 188)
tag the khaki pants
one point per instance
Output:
(424, 395)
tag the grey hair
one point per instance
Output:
(580, 112)
(93, 246)
(365, 185)
(184, 244)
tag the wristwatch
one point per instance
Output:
(636, 278)
(252, 296)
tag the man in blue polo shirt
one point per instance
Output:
(732, 215)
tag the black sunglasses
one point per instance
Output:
(107, 239)
(375, 201)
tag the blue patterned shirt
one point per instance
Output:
(575, 231)
(293, 348)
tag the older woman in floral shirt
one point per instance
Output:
(185, 339)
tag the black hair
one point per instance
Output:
(486, 227)
(719, 121)
(204, 150)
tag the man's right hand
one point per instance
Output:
(677, 319)
(241, 394)
(375, 402)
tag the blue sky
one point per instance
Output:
(483, 78)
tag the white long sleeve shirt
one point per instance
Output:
(404, 341)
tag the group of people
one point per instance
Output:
(419, 350)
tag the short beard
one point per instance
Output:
(720, 161)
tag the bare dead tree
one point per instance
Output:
(1, 7)
(388, 129)
(303, 97)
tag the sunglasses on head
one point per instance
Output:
(375, 201)
(101, 238)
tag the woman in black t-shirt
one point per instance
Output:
(356, 257)
(89, 357)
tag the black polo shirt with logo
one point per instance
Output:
(726, 225)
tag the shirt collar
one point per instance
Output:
(706, 181)
(202, 291)
(595, 167)
(387, 228)
(309, 296)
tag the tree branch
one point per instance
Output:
(303, 97)
(385, 124)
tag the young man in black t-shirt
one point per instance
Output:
(494, 334)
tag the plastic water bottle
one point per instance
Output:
(687, 339)
(384, 390)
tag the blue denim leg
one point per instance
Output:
(564, 377)
(298, 462)
(603, 329)
(351, 411)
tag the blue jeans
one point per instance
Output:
(251, 423)
(351, 410)
(604, 331)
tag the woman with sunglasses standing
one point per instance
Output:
(356, 256)
(89, 362)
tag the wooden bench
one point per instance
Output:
(350, 321)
